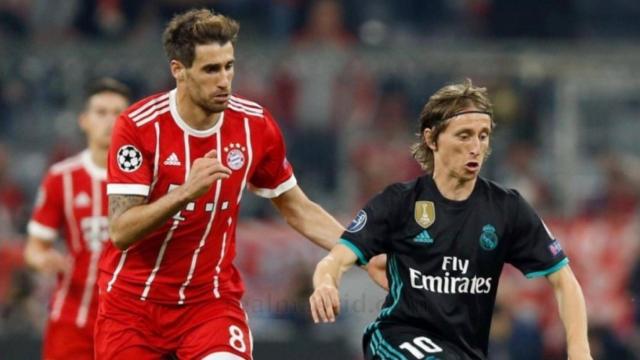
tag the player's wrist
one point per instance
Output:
(183, 195)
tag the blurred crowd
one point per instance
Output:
(346, 81)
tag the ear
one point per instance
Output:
(427, 137)
(83, 121)
(177, 70)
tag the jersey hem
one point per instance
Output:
(279, 190)
(361, 259)
(128, 189)
(43, 232)
(535, 274)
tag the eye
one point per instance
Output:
(463, 136)
(210, 69)
(229, 66)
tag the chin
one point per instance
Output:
(215, 108)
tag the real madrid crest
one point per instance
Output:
(488, 238)
(425, 213)
(235, 155)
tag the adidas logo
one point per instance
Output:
(82, 200)
(423, 238)
(173, 160)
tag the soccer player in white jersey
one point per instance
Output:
(73, 199)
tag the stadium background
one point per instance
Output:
(346, 80)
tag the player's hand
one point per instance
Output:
(51, 262)
(204, 172)
(325, 303)
(377, 269)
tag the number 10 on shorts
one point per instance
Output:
(420, 345)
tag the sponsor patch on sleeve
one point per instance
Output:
(358, 222)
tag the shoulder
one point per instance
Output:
(502, 196)
(147, 110)
(498, 191)
(69, 164)
(247, 108)
(400, 192)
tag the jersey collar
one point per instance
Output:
(94, 170)
(173, 107)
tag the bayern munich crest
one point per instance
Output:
(129, 158)
(235, 156)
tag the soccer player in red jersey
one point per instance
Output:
(73, 198)
(178, 164)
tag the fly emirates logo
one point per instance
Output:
(454, 280)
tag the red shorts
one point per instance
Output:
(64, 340)
(129, 328)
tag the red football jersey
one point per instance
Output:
(189, 258)
(73, 199)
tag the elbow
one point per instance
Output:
(118, 239)
(120, 245)
(27, 255)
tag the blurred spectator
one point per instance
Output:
(619, 194)
(23, 313)
(513, 338)
(319, 53)
(606, 346)
(107, 18)
(382, 156)
(13, 18)
(12, 200)
(521, 174)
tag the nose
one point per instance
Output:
(225, 79)
(474, 146)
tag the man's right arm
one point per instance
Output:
(131, 218)
(40, 255)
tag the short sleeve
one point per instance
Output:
(273, 174)
(48, 210)
(130, 168)
(367, 234)
(534, 250)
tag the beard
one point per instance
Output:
(210, 106)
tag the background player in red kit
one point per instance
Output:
(73, 198)
(178, 164)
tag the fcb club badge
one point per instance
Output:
(235, 156)
(425, 213)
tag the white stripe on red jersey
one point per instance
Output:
(73, 199)
(175, 264)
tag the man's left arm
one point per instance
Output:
(308, 218)
(572, 308)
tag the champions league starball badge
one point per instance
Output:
(129, 158)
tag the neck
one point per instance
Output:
(98, 155)
(453, 188)
(192, 114)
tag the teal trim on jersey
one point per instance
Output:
(396, 288)
(562, 263)
(388, 346)
(381, 351)
(352, 247)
